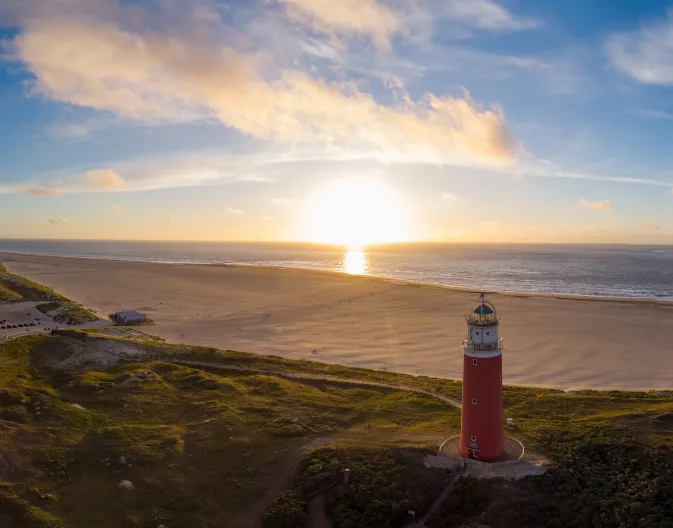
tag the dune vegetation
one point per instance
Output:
(14, 288)
(199, 447)
(97, 429)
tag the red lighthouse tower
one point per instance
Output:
(482, 433)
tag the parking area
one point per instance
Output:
(23, 318)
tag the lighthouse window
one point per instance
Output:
(473, 438)
(488, 333)
(474, 362)
(477, 333)
(474, 401)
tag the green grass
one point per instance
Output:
(202, 442)
(48, 307)
(14, 288)
(154, 346)
(8, 295)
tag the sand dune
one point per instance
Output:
(561, 342)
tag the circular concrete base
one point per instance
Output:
(514, 449)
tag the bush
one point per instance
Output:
(386, 482)
(48, 307)
(467, 499)
(287, 511)
(618, 484)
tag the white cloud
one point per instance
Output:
(487, 14)
(58, 221)
(448, 197)
(74, 130)
(371, 19)
(209, 168)
(38, 190)
(280, 201)
(181, 75)
(646, 53)
(657, 114)
(233, 211)
(103, 179)
(114, 208)
(600, 205)
(68, 131)
(542, 168)
(57, 183)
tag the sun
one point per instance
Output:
(355, 212)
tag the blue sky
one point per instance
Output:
(510, 120)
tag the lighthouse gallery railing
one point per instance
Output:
(483, 347)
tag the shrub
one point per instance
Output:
(287, 511)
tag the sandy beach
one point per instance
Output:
(561, 342)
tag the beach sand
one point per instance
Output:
(561, 342)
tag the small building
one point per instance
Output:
(129, 318)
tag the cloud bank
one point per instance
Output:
(178, 74)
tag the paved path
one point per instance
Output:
(282, 480)
(316, 512)
(442, 496)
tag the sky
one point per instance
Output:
(351, 122)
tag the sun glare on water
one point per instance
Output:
(355, 262)
(354, 213)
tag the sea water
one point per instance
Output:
(596, 270)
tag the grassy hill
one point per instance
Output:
(80, 412)
(14, 288)
(200, 448)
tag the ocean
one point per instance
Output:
(592, 270)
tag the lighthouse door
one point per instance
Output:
(473, 452)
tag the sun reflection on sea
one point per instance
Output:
(355, 262)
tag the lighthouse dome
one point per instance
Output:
(482, 314)
(482, 309)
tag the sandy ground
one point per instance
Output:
(568, 343)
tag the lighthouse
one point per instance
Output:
(481, 431)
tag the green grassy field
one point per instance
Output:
(14, 288)
(206, 447)
(198, 445)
